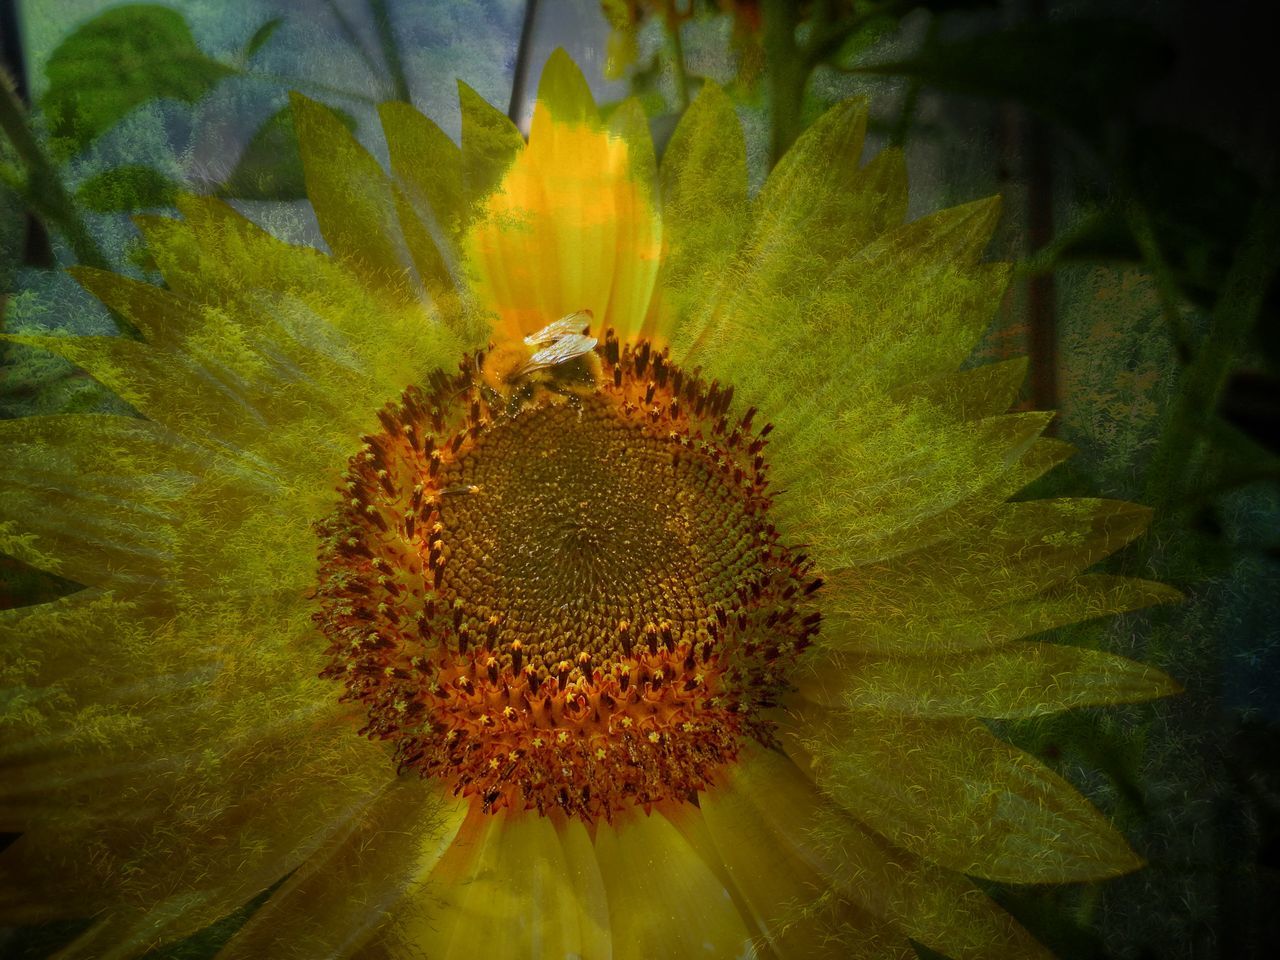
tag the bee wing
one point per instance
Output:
(563, 350)
(569, 325)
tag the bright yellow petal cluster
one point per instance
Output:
(572, 224)
(170, 752)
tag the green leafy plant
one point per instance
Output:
(118, 60)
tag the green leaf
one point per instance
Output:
(132, 187)
(261, 36)
(1073, 71)
(270, 168)
(117, 61)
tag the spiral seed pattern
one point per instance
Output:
(569, 595)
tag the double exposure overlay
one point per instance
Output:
(583, 558)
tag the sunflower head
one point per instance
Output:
(573, 598)
(584, 558)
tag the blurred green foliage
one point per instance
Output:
(131, 187)
(120, 59)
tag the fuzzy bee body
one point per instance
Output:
(559, 360)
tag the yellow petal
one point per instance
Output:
(429, 198)
(67, 626)
(1045, 454)
(796, 907)
(915, 300)
(164, 319)
(77, 693)
(428, 165)
(274, 355)
(880, 483)
(911, 304)
(571, 224)
(1022, 549)
(191, 753)
(211, 411)
(190, 401)
(503, 889)
(901, 314)
(813, 180)
(932, 633)
(982, 465)
(351, 197)
(958, 234)
(704, 210)
(953, 794)
(93, 498)
(424, 251)
(565, 97)
(815, 212)
(971, 394)
(506, 890)
(663, 899)
(354, 886)
(934, 906)
(272, 309)
(634, 283)
(582, 870)
(197, 853)
(1016, 680)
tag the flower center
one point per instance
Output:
(556, 585)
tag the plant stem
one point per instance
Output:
(829, 33)
(11, 54)
(390, 49)
(45, 193)
(520, 75)
(901, 126)
(1042, 295)
(1042, 292)
(673, 20)
(36, 250)
(789, 64)
(788, 73)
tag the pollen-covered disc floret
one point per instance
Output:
(564, 591)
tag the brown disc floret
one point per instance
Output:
(567, 594)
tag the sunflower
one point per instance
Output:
(581, 559)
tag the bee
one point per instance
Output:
(559, 359)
